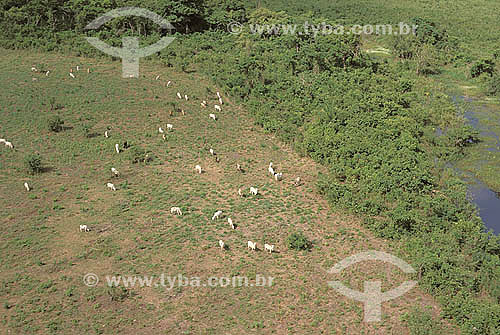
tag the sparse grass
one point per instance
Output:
(43, 257)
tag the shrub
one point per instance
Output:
(420, 322)
(298, 241)
(482, 66)
(86, 130)
(493, 85)
(139, 155)
(33, 163)
(55, 124)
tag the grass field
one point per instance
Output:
(43, 256)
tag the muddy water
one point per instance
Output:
(486, 200)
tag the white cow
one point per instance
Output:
(230, 221)
(9, 145)
(157, 77)
(297, 181)
(269, 247)
(216, 215)
(218, 94)
(271, 170)
(47, 73)
(254, 191)
(71, 75)
(212, 116)
(212, 152)
(176, 210)
(27, 187)
(106, 134)
(179, 95)
(222, 245)
(220, 101)
(83, 227)
(168, 84)
(217, 108)
(240, 193)
(278, 176)
(204, 104)
(198, 169)
(160, 130)
(115, 172)
(252, 245)
(117, 148)
(3, 140)
(111, 186)
(170, 126)
(186, 97)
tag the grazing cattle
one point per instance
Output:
(212, 116)
(27, 187)
(9, 145)
(88, 70)
(271, 170)
(212, 152)
(222, 245)
(168, 84)
(238, 167)
(71, 75)
(252, 245)
(34, 69)
(179, 95)
(117, 148)
(203, 104)
(217, 108)
(240, 193)
(170, 126)
(216, 215)
(77, 68)
(111, 186)
(269, 248)
(198, 169)
(218, 94)
(164, 137)
(157, 77)
(160, 130)
(297, 181)
(278, 176)
(83, 227)
(220, 101)
(106, 134)
(47, 73)
(115, 172)
(176, 210)
(254, 191)
(230, 221)
(186, 97)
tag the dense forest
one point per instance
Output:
(371, 122)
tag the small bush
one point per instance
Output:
(421, 322)
(55, 124)
(86, 131)
(139, 155)
(298, 241)
(493, 85)
(482, 66)
(33, 163)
